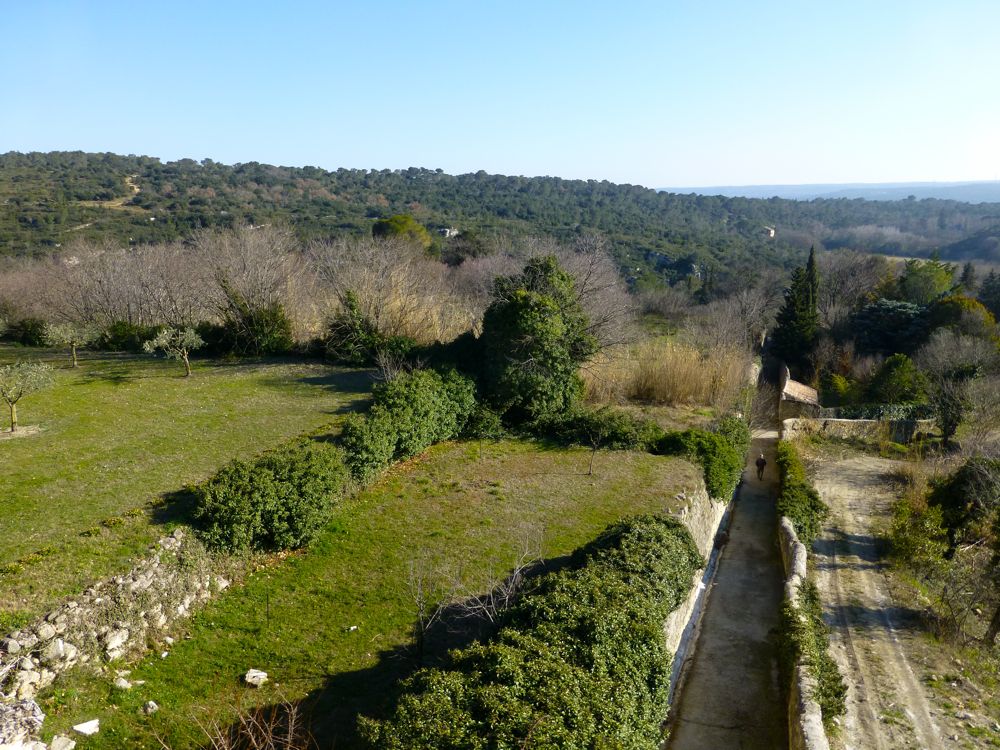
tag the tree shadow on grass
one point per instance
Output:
(332, 711)
(175, 507)
(357, 383)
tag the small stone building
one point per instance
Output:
(797, 399)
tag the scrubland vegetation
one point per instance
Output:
(482, 352)
(500, 373)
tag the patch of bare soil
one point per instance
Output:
(22, 431)
(893, 669)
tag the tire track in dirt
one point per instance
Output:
(887, 706)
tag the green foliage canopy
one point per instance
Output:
(797, 322)
(579, 663)
(534, 340)
(898, 381)
(405, 226)
(19, 380)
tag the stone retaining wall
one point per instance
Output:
(703, 518)
(870, 430)
(111, 619)
(805, 719)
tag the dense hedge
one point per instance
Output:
(797, 499)
(805, 637)
(886, 411)
(279, 500)
(736, 431)
(721, 461)
(408, 414)
(606, 427)
(579, 663)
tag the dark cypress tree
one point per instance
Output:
(798, 322)
(989, 293)
(968, 280)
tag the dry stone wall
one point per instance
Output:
(869, 430)
(805, 718)
(703, 518)
(110, 620)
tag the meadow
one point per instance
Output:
(101, 455)
(333, 625)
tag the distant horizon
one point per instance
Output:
(658, 188)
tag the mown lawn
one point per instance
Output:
(332, 626)
(119, 435)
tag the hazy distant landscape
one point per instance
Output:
(968, 192)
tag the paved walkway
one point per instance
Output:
(730, 696)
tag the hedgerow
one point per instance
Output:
(798, 499)
(721, 462)
(408, 414)
(606, 427)
(805, 637)
(279, 500)
(736, 431)
(580, 661)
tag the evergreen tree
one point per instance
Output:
(989, 293)
(797, 322)
(968, 279)
(533, 342)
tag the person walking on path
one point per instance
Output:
(761, 463)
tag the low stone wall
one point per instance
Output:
(805, 719)
(112, 619)
(704, 518)
(870, 430)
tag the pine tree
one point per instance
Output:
(989, 293)
(968, 280)
(798, 321)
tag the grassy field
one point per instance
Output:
(333, 626)
(119, 434)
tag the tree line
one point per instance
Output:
(48, 199)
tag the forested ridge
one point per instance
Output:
(48, 199)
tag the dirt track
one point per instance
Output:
(874, 640)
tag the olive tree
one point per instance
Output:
(176, 343)
(71, 335)
(20, 379)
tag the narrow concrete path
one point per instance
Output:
(729, 696)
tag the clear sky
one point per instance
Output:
(658, 93)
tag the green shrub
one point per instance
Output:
(369, 443)
(122, 336)
(837, 390)
(805, 637)
(797, 499)
(736, 431)
(259, 331)
(606, 427)
(968, 499)
(352, 339)
(886, 411)
(27, 332)
(721, 463)
(278, 501)
(580, 661)
(898, 381)
(408, 415)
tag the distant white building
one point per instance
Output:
(769, 231)
(449, 232)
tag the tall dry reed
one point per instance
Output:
(661, 371)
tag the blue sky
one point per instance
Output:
(661, 93)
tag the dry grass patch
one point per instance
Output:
(664, 371)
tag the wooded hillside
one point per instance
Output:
(47, 199)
